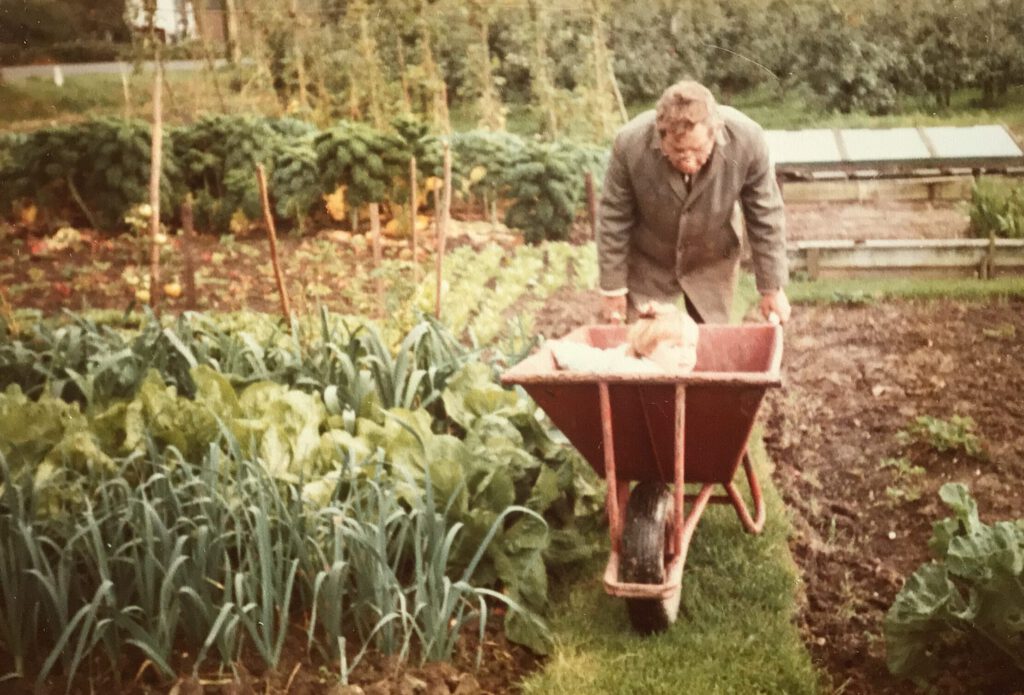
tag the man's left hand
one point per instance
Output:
(775, 302)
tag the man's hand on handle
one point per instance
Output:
(775, 302)
(613, 309)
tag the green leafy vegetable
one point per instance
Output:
(974, 590)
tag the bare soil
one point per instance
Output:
(877, 220)
(502, 667)
(854, 377)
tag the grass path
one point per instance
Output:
(735, 633)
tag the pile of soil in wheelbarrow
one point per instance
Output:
(854, 376)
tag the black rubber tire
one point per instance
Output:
(642, 555)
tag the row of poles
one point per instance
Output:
(443, 214)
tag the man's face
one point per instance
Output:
(689, 150)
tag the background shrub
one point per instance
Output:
(997, 208)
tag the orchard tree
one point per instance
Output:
(846, 67)
(647, 52)
(942, 46)
(996, 48)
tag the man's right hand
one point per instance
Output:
(613, 309)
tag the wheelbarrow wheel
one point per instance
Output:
(642, 555)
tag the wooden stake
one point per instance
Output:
(591, 203)
(442, 226)
(377, 255)
(414, 234)
(187, 240)
(156, 156)
(268, 218)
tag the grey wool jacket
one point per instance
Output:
(656, 238)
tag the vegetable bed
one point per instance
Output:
(883, 405)
(188, 498)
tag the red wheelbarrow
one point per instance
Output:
(661, 429)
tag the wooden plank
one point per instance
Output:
(860, 189)
(924, 257)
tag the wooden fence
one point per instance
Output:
(982, 258)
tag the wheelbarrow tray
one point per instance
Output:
(673, 428)
(735, 365)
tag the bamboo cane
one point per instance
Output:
(156, 156)
(268, 217)
(442, 227)
(591, 203)
(187, 240)
(414, 234)
(377, 255)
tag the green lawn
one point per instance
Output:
(865, 290)
(36, 102)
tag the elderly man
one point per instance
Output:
(667, 229)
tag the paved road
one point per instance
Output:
(21, 72)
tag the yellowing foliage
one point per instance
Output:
(28, 214)
(477, 173)
(398, 226)
(336, 205)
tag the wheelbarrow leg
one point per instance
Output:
(753, 524)
(618, 492)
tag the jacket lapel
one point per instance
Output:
(711, 169)
(675, 179)
(706, 174)
(666, 170)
